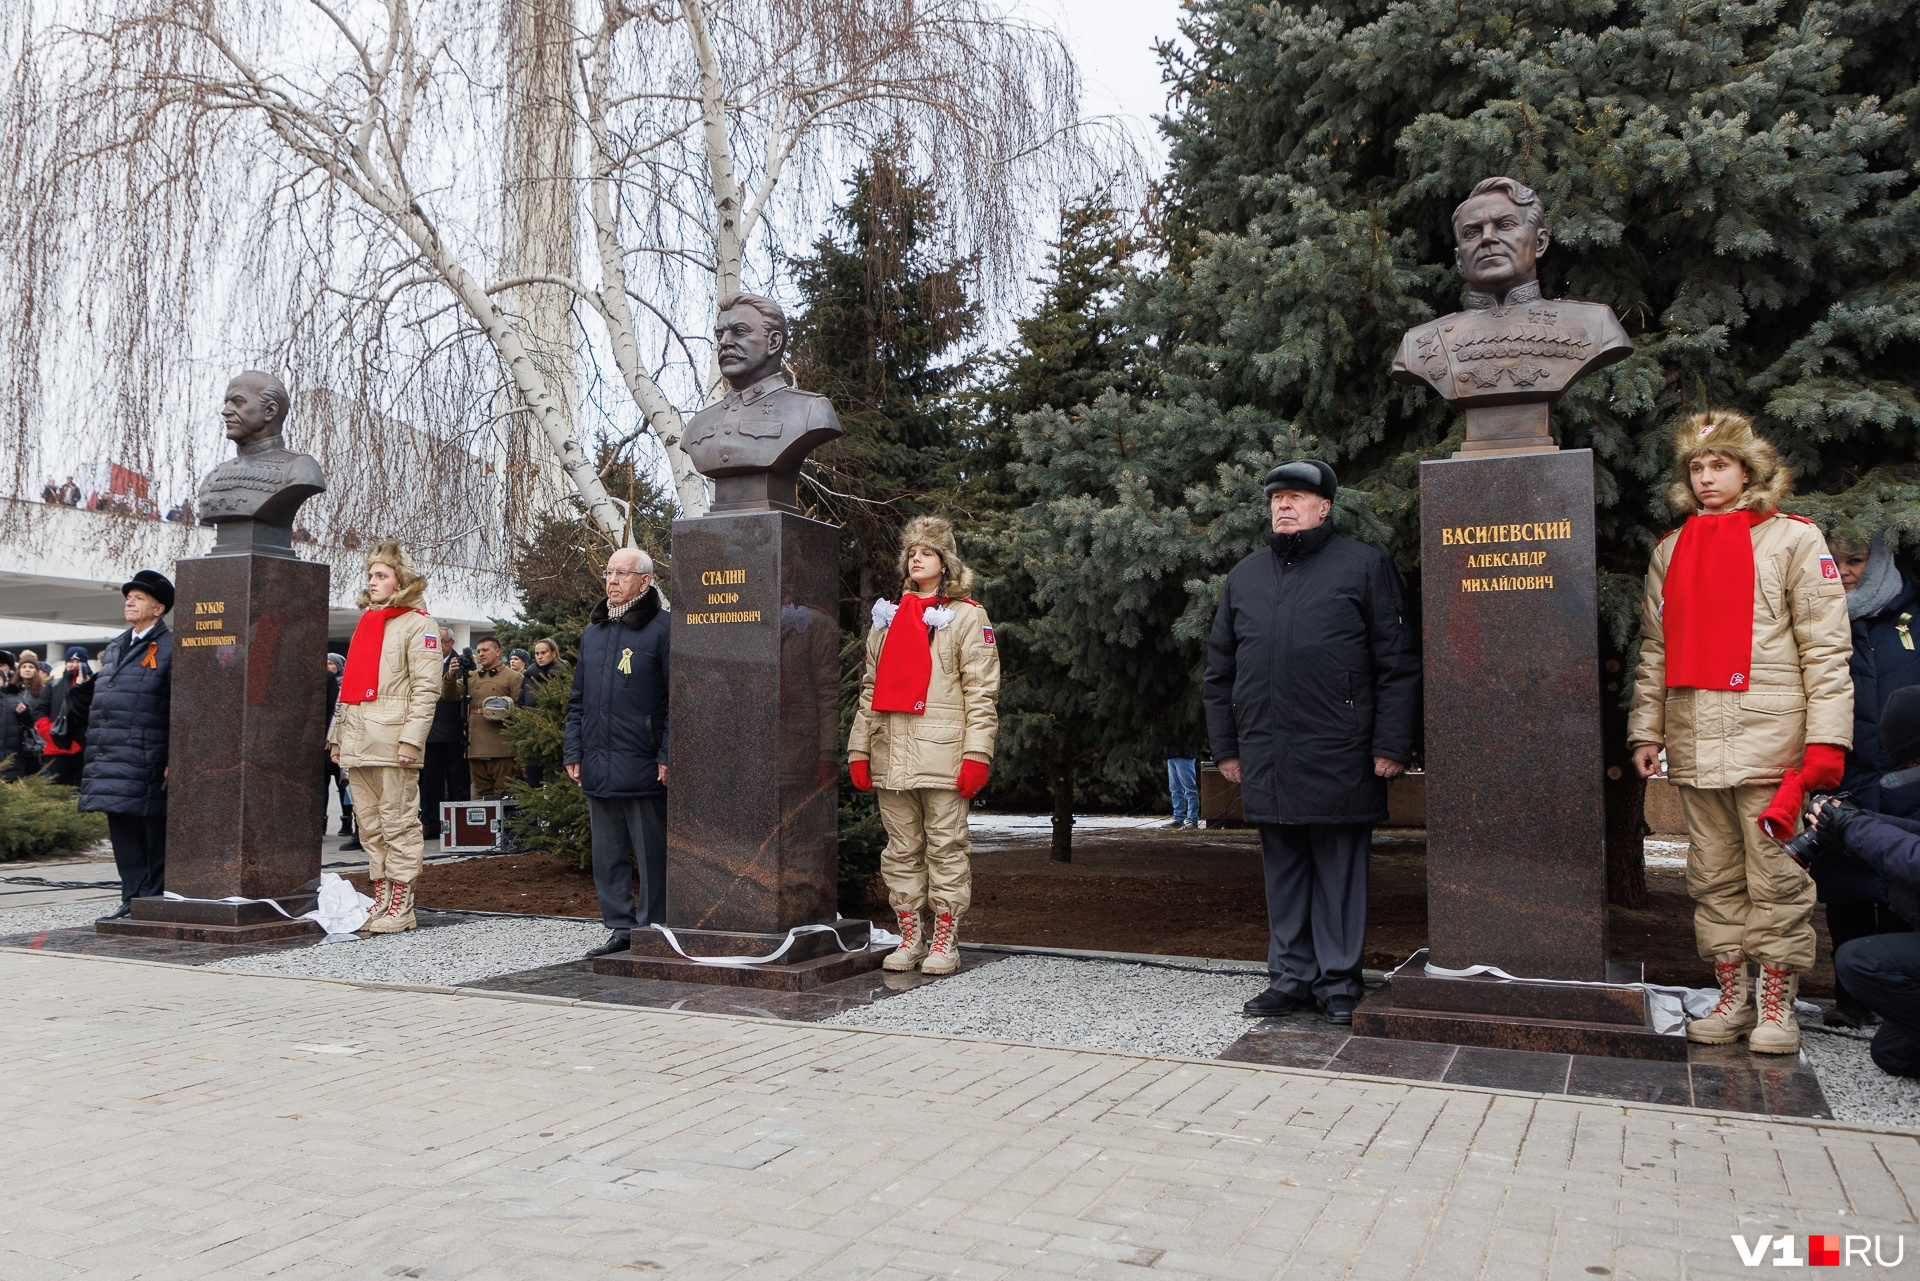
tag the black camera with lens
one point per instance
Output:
(1825, 839)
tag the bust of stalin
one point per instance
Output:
(252, 497)
(753, 440)
(1511, 353)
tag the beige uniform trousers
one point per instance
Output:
(386, 809)
(490, 774)
(1749, 895)
(926, 862)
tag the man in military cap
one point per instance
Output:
(1511, 353)
(753, 440)
(252, 497)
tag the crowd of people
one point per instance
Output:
(1778, 689)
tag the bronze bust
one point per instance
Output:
(1511, 353)
(753, 440)
(251, 498)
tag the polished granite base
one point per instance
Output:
(1721, 1077)
(229, 924)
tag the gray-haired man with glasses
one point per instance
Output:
(617, 746)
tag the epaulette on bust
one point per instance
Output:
(1804, 520)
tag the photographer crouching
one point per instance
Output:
(1881, 971)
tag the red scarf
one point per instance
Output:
(360, 683)
(906, 660)
(1708, 612)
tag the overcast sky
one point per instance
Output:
(1113, 42)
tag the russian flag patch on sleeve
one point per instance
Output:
(1828, 569)
(986, 632)
(432, 641)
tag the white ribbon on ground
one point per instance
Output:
(1668, 1008)
(876, 936)
(341, 909)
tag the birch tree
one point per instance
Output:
(335, 184)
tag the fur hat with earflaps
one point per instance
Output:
(1730, 435)
(413, 587)
(936, 532)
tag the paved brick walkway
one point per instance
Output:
(167, 1122)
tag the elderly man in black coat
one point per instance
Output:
(1312, 690)
(124, 771)
(617, 745)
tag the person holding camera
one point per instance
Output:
(1881, 971)
(493, 690)
(1743, 681)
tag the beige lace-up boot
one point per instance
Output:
(1733, 1016)
(1778, 1031)
(913, 943)
(398, 915)
(382, 893)
(943, 957)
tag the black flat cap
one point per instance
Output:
(1900, 726)
(1309, 474)
(153, 583)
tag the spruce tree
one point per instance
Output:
(1733, 180)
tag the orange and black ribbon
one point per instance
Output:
(153, 648)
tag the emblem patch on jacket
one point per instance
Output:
(1828, 569)
(986, 633)
(430, 641)
(1737, 680)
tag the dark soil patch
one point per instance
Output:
(1184, 894)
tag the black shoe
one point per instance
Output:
(1340, 1010)
(125, 909)
(352, 843)
(618, 941)
(1847, 1016)
(346, 823)
(1273, 1004)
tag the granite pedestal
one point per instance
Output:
(246, 807)
(752, 792)
(1516, 846)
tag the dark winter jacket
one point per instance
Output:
(1311, 673)
(1890, 847)
(617, 711)
(126, 760)
(17, 735)
(1884, 659)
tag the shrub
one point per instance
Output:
(39, 818)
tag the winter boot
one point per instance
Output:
(346, 820)
(944, 956)
(913, 943)
(382, 895)
(1778, 1031)
(1733, 1017)
(398, 915)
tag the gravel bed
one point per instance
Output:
(1079, 1004)
(444, 955)
(1857, 1089)
(59, 916)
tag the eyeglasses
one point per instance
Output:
(626, 573)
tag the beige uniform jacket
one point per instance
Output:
(907, 751)
(484, 738)
(401, 714)
(1799, 689)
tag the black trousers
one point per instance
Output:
(629, 831)
(1316, 906)
(140, 853)
(1883, 973)
(443, 777)
(1849, 921)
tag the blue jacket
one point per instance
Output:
(617, 711)
(125, 767)
(1885, 658)
(1889, 846)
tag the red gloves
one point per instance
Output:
(862, 775)
(1778, 818)
(973, 777)
(1819, 771)
(1822, 767)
